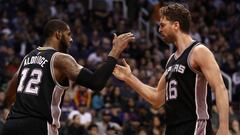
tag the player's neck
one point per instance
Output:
(51, 43)
(182, 42)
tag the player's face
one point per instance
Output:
(66, 40)
(166, 30)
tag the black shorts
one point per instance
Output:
(28, 126)
(200, 127)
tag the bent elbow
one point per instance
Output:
(158, 103)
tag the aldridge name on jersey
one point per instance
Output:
(40, 60)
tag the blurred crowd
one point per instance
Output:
(117, 109)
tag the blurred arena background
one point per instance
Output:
(117, 109)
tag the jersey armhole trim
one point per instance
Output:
(188, 61)
(169, 60)
(53, 74)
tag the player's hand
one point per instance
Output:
(122, 72)
(120, 43)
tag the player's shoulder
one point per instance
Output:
(63, 58)
(201, 49)
(200, 45)
(200, 53)
(60, 55)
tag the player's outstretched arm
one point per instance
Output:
(66, 66)
(203, 59)
(155, 96)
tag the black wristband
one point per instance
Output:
(98, 79)
(84, 77)
(111, 60)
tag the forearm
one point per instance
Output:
(114, 53)
(147, 92)
(98, 79)
(222, 106)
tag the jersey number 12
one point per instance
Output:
(32, 85)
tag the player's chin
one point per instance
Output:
(164, 39)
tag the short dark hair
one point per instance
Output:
(177, 12)
(52, 26)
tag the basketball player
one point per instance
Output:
(183, 86)
(39, 83)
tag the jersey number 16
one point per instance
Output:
(171, 88)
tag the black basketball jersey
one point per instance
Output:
(38, 93)
(187, 96)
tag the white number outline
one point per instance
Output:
(32, 86)
(172, 92)
(22, 79)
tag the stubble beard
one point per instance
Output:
(63, 46)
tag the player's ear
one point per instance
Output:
(58, 35)
(176, 25)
